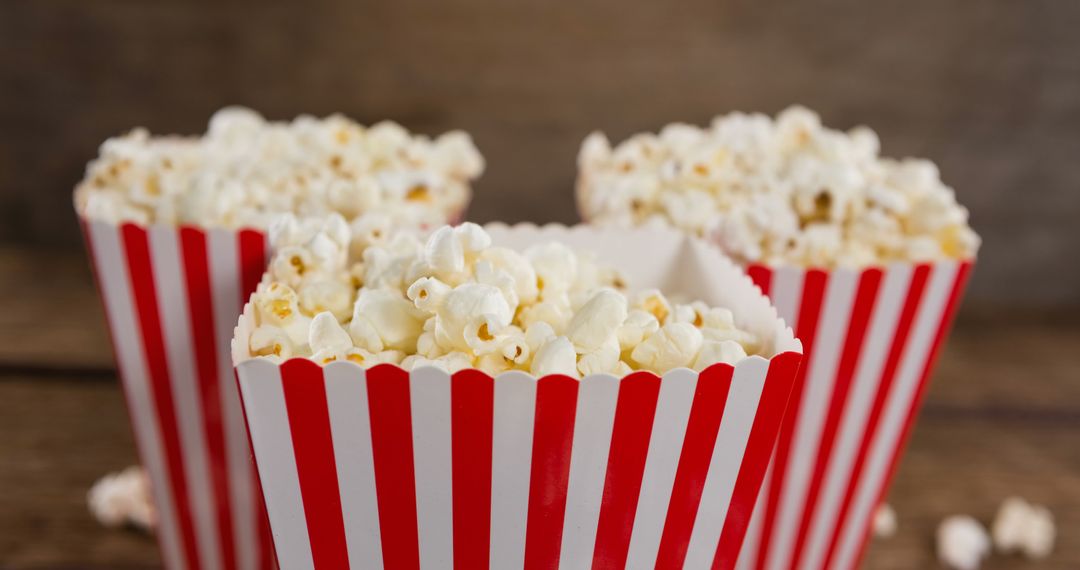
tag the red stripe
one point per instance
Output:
(203, 339)
(309, 425)
(761, 276)
(710, 398)
(888, 374)
(553, 429)
(813, 294)
(630, 435)
(252, 246)
(395, 479)
(140, 272)
(869, 281)
(472, 400)
(960, 282)
(759, 447)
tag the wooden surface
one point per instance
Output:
(1002, 418)
(988, 89)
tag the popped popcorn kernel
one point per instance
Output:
(777, 191)
(123, 498)
(458, 301)
(962, 542)
(1022, 527)
(246, 170)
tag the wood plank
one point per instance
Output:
(52, 317)
(968, 464)
(60, 435)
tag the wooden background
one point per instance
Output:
(989, 89)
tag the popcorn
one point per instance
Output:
(279, 306)
(383, 319)
(123, 499)
(962, 542)
(519, 270)
(674, 345)
(469, 314)
(329, 342)
(537, 334)
(712, 351)
(597, 322)
(246, 170)
(514, 346)
(557, 356)
(638, 325)
(783, 191)
(457, 302)
(1020, 526)
(653, 302)
(444, 255)
(270, 341)
(556, 268)
(603, 359)
(884, 523)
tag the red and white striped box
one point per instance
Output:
(384, 468)
(871, 338)
(172, 295)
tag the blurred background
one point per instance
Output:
(989, 90)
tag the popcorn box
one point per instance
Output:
(384, 468)
(871, 338)
(171, 296)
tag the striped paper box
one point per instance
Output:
(384, 468)
(172, 295)
(871, 338)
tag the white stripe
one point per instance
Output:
(268, 420)
(111, 267)
(879, 335)
(661, 463)
(222, 247)
(350, 426)
(172, 300)
(511, 467)
(817, 392)
(593, 424)
(752, 540)
(727, 455)
(787, 293)
(920, 343)
(430, 395)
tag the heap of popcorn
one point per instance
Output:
(458, 301)
(246, 170)
(777, 192)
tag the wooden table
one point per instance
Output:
(1002, 418)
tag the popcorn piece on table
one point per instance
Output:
(1020, 526)
(245, 170)
(962, 542)
(458, 301)
(777, 191)
(123, 498)
(884, 521)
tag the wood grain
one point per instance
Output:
(990, 90)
